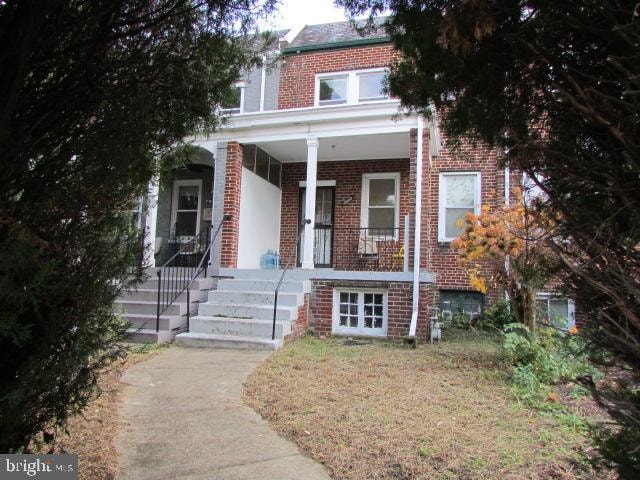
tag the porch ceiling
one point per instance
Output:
(356, 147)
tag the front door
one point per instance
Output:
(323, 226)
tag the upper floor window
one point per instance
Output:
(235, 102)
(333, 90)
(350, 87)
(459, 194)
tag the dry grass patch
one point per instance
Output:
(381, 411)
(91, 434)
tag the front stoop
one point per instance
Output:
(239, 314)
(139, 307)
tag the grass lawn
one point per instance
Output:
(376, 410)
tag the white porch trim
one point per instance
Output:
(310, 206)
(151, 222)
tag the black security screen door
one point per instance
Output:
(323, 226)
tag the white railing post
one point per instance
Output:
(150, 223)
(405, 260)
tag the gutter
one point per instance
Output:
(418, 226)
(332, 45)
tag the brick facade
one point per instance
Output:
(347, 209)
(300, 325)
(298, 71)
(399, 306)
(233, 183)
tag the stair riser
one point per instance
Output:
(151, 309)
(152, 296)
(150, 323)
(266, 298)
(229, 327)
(145, 337)
(258, 286)
(227, 344)
(241, 311)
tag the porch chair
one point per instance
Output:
(367, 250)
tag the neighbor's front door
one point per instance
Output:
(186, 208)
(323, 226)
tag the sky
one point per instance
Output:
(292, 13)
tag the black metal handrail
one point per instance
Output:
(187, 264)
(292, 255)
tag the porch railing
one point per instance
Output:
(374, 249)
(179, 272)
(285, 268)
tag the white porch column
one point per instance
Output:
(150, 222)
(310, 205)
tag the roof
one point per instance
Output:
(258, 41)
(338, 34)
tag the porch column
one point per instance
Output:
(150, 222)
(310, 205)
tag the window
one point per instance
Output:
(235, 103)
(137, 213)
(558, 312)
(461, 301)
(262, 164)
(371, 86)
(360, 312)
(333, 90)
(380, 199)
(186, 209)
(459, 194)
(350, 87)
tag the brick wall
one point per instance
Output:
(399, 306)
(348, 177)
(230, 229)
(297, 74)
(300, 325)
(440, 257)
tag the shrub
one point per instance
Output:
(498, 315)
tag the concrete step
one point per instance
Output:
(238, 326)
(151, 295)
(259, 286)
(260, 312)
(151, 307)
(167, 322)
(207, 340)
(292, 299)
(149, 335)
(199, 283)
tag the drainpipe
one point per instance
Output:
(263, 82)
(418, 226)
(507, 203)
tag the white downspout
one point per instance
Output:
(418, 226)
(263, 82)
(507, 203)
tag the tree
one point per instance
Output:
(556, 86)
(513, 239)
(96, 93)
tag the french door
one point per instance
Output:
(323, 226)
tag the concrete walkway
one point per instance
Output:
(184, 419)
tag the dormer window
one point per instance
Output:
(346, 88)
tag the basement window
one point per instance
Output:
(558, 312)
(360, 312)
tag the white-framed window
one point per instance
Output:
(459, 193)
(137, 213)
(355, 86)
(380, 203)
(186, 209)
(236, 103)
(360, 312)
(559, 312)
